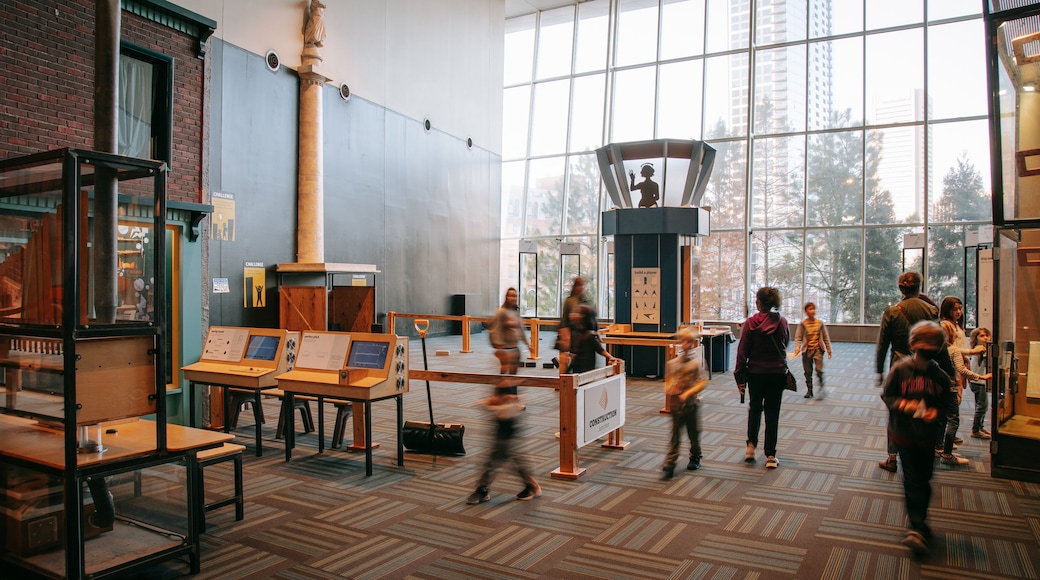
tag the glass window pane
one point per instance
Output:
(946, 261)
(961, 172)
(728, 25)
(682, 28)
(136, 108)
(834, 184)
(516, 112)
(939, 9)
(633, 118)
(548, 277)
(583, 195)
(956, 70)
(895, 77)
(555, 42)
(780, 90)
(885, 13)
(720, 274)
(836, 84)
(776, 260)
(549, 120)
(882, 263)
(587, 114)
(680, 94)
(726, 96)
(512, 198)
(777, 183)
(636, 32)
(831, 18)
(518, 50)
(895, 176)
(593, 24)
(833, 263)
(777, 22)
(544, 210)
(727, 186)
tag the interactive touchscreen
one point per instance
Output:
(262, 348)
(365, 354)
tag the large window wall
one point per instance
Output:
(843, 128)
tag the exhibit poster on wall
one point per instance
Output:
(255, 276)
(646, 295)
(222, 225)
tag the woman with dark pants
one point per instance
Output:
(761, 370)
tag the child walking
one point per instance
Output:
(685, 380)
(505, 407)
(811, 340)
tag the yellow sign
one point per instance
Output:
(255, 285)
(223, 219)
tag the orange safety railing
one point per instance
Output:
(532, 323)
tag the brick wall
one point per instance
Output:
(47, 83)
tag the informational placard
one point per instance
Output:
(255, 276)
(646, 295)
(223, 218)
(601, 408)
(225, 344)
(221, 286)
(1032, 380)
(323, 351)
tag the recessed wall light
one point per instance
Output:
(344, 92)
(427, 125)
(469, 142)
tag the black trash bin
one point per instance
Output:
(720, 345)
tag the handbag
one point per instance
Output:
(790, 383)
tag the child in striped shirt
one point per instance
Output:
(811, 340)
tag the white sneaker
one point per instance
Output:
(749, 453)
(771, 462)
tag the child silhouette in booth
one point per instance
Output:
(683, 384)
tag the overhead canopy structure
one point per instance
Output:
(681, 166)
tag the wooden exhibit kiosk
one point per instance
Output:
(360, 367)
(1009, 271)
(243, 360)
(89, 487)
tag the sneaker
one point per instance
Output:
(952, 459)
(669, 472)
(807, 395)
(531, 491)
(916, 542)
(749, 453)
(481, 495)
(981, 434)
(889, 464)
(772, 463)
(958, 440)
(695, 464)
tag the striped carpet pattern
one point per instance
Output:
(828, 512)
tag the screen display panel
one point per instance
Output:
(368, 354)
(263, 348)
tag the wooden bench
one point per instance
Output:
(207, 457)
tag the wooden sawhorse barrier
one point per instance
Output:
(566, 384)
(532, 323)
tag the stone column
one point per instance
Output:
(310, 227)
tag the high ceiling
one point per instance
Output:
(521, 7)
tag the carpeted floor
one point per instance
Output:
(827, 512)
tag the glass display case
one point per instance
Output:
(1013, 57)
(93, 482)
